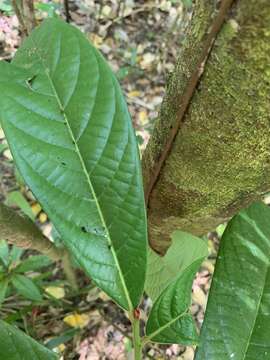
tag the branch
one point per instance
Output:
(22, 232)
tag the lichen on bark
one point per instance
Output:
(220, 159)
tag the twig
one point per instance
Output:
(20, 18)
(67, 13)
(29, 15)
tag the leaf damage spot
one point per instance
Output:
(29, 82)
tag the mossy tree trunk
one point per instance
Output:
(209, 154)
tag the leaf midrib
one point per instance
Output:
(91, 188)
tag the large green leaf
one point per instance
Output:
(15, 345)
(71, 137)
(184, 250)
(237, 320)
(169, 321)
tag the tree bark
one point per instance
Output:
(209, 152)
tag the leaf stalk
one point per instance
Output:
(137, 343)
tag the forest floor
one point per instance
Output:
(140, 39)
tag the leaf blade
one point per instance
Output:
(161, 270)
(26, 287)
(33, 263)
(169, 321)
(239, 299)
(16, 345)
(100, 161)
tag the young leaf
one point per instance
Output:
(237, 319)
(4, 252)
(184, 250)
(169, 320)
(15, 345)
(26, 287)
(71, 137)
(3, 289)
(33, 263)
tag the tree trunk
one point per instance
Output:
(209, 154)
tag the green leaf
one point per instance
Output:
(26, 287)
(49, 8)
(33, 263)
(169, 321)
(220, 229)
(3, 289)
(184, 250)
(4, 252)
(71, 137)
(16, 198)
(187, 3)
(6, 7)
(16, 345)
(237, 319)
(63, 338)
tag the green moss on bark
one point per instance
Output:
(220, 160)
(188, 59)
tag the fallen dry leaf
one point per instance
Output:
(7, 154)
(56, 291)
(77, 320)
(36, 208)
(43, 218)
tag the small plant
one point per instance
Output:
(71, 137)
(13, 271)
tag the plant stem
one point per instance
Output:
(137, 344)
